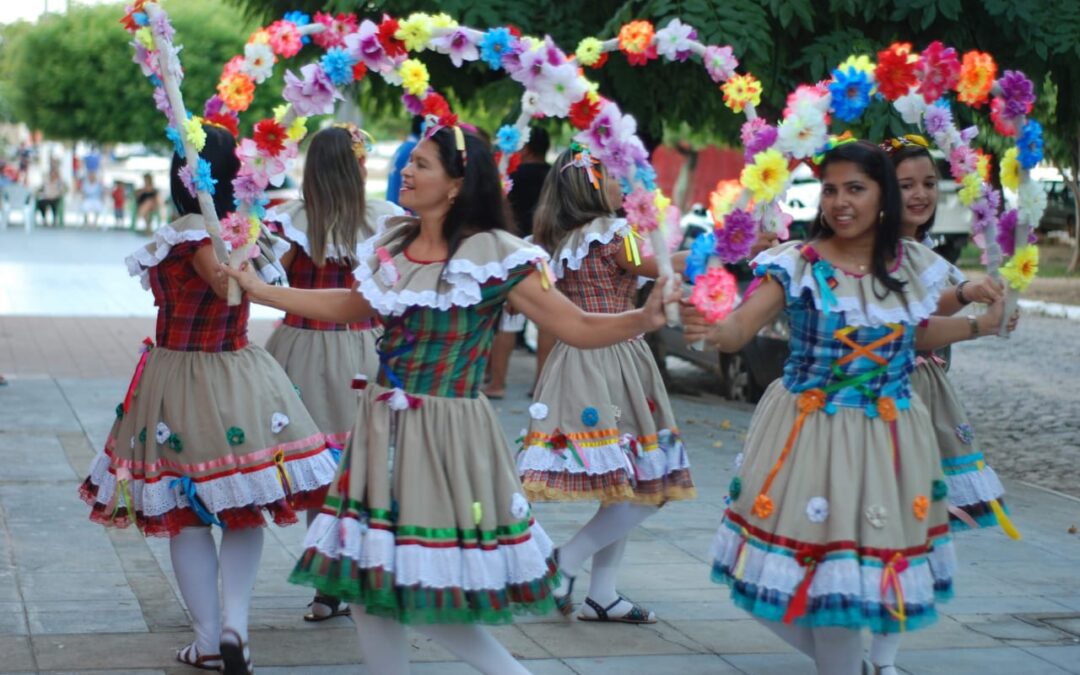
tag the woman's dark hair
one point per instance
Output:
(480, 205)
(333, 195)
(877, 166)
(220, 152)
(914, 151)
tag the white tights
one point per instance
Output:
(883, 648)
(835, 651)
(385, 648)
(197, 563)
(603, 539)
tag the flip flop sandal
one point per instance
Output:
(637, 613)
(235, 656)
(564, 603)
(333, 604)
(189, 656)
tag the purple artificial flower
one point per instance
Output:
(314, 94)
(364, 46)
(937, 120)
(412, 103)
(246, 188)
(720, 62)
(142, 58)
(733, 242)
(459, 45)
(1006, 234)
(188, 179)
(161, 102)
(162, 28)
(757, 135)
(599, 133)
(983, 215)
(531, 68)
(213, 106)
(618, 159)
(1017, 92)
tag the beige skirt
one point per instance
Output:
(426, 521)
(602, 428)
(973, 486)
(209, 438)
(323, 364)
(837, 519)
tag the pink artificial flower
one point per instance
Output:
(459, 44)
(337, 27)
(365, 46)
(641, 211)
(714, 293)
(314, 94)
(720, 62)
(963, 161)
(938, 71)
(285, 38)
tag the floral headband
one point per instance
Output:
(583, 159)
(893, 145)
(362, 142)
(432, 125)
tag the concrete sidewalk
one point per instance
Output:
(77, 598)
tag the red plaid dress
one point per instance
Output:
(600, 285)
(304, 273)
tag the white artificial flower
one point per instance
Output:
(530, 102)
(876, 515)
(278, 421)
(538, 411)
(911, 107)
(802, 133)
(519, 506)
(258, 61)
(817, 509)
(1030, 202)
(398, 400)
(559, 87)
(673, 40)
(162, 433)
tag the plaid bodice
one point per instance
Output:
(600, 285)
(444, 352)
(191, 317)
(303, 273)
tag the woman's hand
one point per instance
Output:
(985, 292)
(695, 326)
(765, 240)
(653, 309)
(247, 278)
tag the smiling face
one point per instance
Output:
(850, 200)
(918, 181)
(425, 185)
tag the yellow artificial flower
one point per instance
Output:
(982, 167)
(195, 133)
(971, 185)
(415, 32)
(740, 90)
(253, 230)
(861, 63)
(636, 36)
(661, 200)
(414, 77)
(298, 129)
(1022, 267)
(260, 37)
(767, 176)
(443, 20)
(722, 199)
(280, 111)
(588, 51)
(144, 37)
(1010, 169)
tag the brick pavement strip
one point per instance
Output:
(77, 598)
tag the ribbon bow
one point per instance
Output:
(560, 443)
(797, 606)
(630, 242)
(397, 399)
(187, 487)
(583, 159)
(362, 142)
(890, 578)
(823, 274)
(283, 475)
(123, 491)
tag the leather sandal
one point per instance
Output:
(189, 656)
(636, 615)
(334, 607)
(565, 602)
(235, 656)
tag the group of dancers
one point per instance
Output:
(365, 410)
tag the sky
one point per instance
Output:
(13, 10)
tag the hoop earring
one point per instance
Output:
(881, 217)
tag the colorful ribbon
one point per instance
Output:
(1002, 517)
(283, 475)
(148, 345)
(633, 254)
(799, 602)
(547, 277)
(559, 442)
(823, 275)
(187, 486)
(890, 578)
(741, 555)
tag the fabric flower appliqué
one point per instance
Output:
(817, 509)
(763, 506)
(519, 506)
(735, 488)
(920, 506)
(965, 433)
(538, 411)
(175, 443)
(142, 436)
(940, 490)
(590, 417)
(278, 421)
(235, 435)
(161, 433)
(876, 515)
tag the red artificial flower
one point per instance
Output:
(939, 70)
(359, 71)
(514, 30)
(227, 121)
(896, 70)
(583, 112)
(641, 58)
(337, 27)
(129, 19)
(600, 62)
(435, 104)
(270, 137)
(1004, 125)
(390, 44)
(514, 163)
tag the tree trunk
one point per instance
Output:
(1074, 186)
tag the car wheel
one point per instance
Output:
(737, 383)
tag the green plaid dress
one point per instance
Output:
(426, 521)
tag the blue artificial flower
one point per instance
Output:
(850, 91)
(625, 185)
(493, 45)
(298, 18)
(698, 260)
(1030, 145)
(590, 417)
(204, 181)
(646, 175)
(156, 81)
(141, 19)
(258, 207)
(508, 139)
(338, 65)
(178, 143)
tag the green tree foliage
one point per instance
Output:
(72, 75)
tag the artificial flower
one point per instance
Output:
(298, 19)
(984, 211)
(982, 165)
(213, 106)
(226, 120)
(365, 47)
(757, 135)
(937, 120)
(740, 91)
(337, 27)
(763, 506)
(735, 488)
(1004, 125)
(260, 37)
(814, 95)
(876, 515)
(635, 37)
(673, 41)
(817, 509)
(145, 38)
(236, 91)
(534, 65)
(851, 89)
(519, 506)
(766, 177)
(284, 39)
(235, 435)
(559, 87)
(233, 66)
(414, 77)
(1031, 202)
(278, 421)
(204, 180)
(161, 27)
(976, 78)
(314, 94)
(1022, 267)
(938, 71)
(963, 161)
(714, 294)
(720, 62)
(896, 70)
(1017, 93)
(971, 186)
(920, 506)
(508, 138)
(589, 51)
(270, 137)
(187, 179)
(911, 107)
(258, 62)
(178, 143)
(162, 432)
(1010, 170)
(1006, 232)
(734, 239)
(388, 29)
(359, 70)
(298, 129)
(775, 220)
(1030, 145)
(337, 63)
(494, 45)
(459, 45)
(415, 31)
(538, 411)
(703, 248)
(246, 189)
(263, 170)
(195, 133)
(641, 210)
(803, 133)
(584, 111)
(939, 490)
(590, 417)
